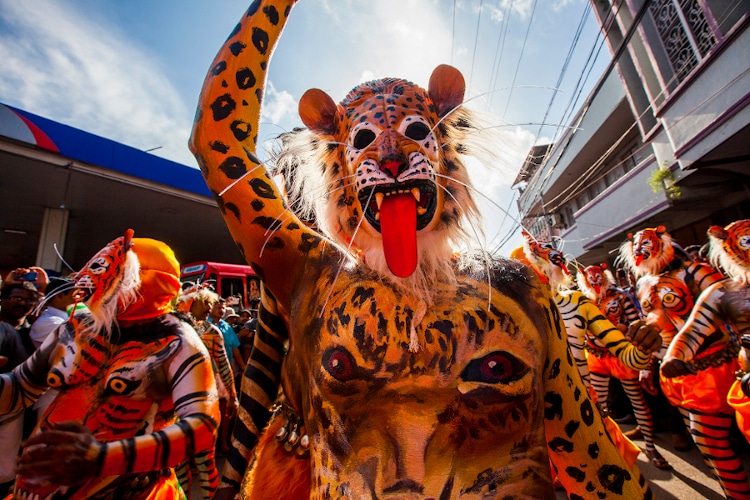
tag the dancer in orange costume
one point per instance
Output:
(668, 288)
(702, 357)
(126, 355)
(589, 331)
(598, 285)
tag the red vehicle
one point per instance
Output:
(237, 283)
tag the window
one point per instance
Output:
(567, 215)
(689, 29)
(231, 286)
(614, 174)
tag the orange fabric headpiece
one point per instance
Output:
(160, 280)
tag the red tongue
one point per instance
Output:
(638, 259)
(398, 226)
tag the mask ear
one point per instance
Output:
(446, 88)
(603, 265)
(661, 230)
(630, 236)
(718, 232)
(318, 112)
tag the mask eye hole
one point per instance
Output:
(417, 131)
(120, 385)
(495, 368)
(669, 298)
(339, 363)
(54, 379)
(363, 138)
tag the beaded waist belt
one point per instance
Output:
(717, 358)
(597, 352)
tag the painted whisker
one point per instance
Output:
(341, 263)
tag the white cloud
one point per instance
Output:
(494, 197)
(58, 64)
(278, 105)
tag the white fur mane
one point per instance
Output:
(123, 293)
(737, 270)
(652, 265)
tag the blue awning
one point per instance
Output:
(78, 145)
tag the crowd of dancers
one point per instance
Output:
(124, 379)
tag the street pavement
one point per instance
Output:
(689, 478)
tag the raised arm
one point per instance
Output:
(702, 330)
(224, 140)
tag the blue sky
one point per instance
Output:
(132, 70)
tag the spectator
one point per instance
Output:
(198, 302)
(233, 319)
(247, 331)
(17, 300)
(245, 316)
(59, 295)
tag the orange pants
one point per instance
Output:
(610, 365)
(705, 391)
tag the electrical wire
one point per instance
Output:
(453, 34)
(476, 42)
(564, 69)
(520, 57)
(502, 36)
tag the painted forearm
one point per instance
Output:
(160, 450)
(224, 142)
(577, 346)
(701, 325)
(223, 366)
(20, 388)
(609, 336)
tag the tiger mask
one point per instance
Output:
(548, 262)
(394, 190)
(730, 249)
(648, 251)
(110, 281)
(594, 281)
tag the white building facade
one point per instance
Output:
(664, 138)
